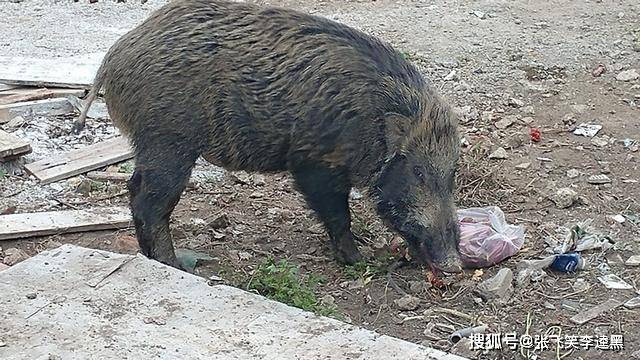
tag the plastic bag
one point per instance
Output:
(486, 238)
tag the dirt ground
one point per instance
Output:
(507, 66)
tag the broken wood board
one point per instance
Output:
(80, 161)
(98, 109)
(12, 146)
(118, 177)
(51, 107)
(109, 176)
(585, 316)
(4, 87)
(17, 226)
(31, 93)
(66, 72)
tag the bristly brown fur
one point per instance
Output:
(265, 89)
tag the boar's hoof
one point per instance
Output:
(174, 263)
(349, 258)
(346, 250)
(77, 128)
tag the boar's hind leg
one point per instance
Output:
(327, 193)
(160, 176)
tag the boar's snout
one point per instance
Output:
(451, 264)
(437, 248)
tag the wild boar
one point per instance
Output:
(267, 89)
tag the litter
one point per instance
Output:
(568, 262)
(633, 261)
(466, 332)
(581, 237)
(486, 238)
(585, 316)
(633, 303)
(535, 134)
(531, 269)
(612, 281)
(588, 130)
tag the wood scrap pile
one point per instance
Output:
(32, 88)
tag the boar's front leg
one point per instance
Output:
(327, 193)
(161, 174)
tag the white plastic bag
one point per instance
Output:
(486, 238)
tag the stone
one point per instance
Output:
(580, 108)
(634, 260)
(523, 166)
(407, 303)
(516, 102)
(328, 300)
(354, 194)
(84, 187)
(564, 197)
(240, 177)
(480, 14)
(528, 120)
(452, 76)
(528, 110)
(256, 195)
(464, 348)
(498, 287)
(598, 179)
(618, 218)
(462, 111)
(628, 75)
(633, 303)
(505, 122)
(419, 286)
(573, 173)
(580, 285)
(499, 154)
(600, 141)
(220, 222)
(258, 179)
(13, 256)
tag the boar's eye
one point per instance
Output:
(418, 173)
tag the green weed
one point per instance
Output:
(281, 281)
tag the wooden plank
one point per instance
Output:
(17, 226)
(31, 93)
(108, 176)
(12, 146)
(80, 161)
(4, 87)
(73, 72)
(585, 316)
(119, 177)
(98, 109)
(52, 107)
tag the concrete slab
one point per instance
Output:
(92, 304)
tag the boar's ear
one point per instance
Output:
(396, 130)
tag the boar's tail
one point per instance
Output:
(79, 124)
